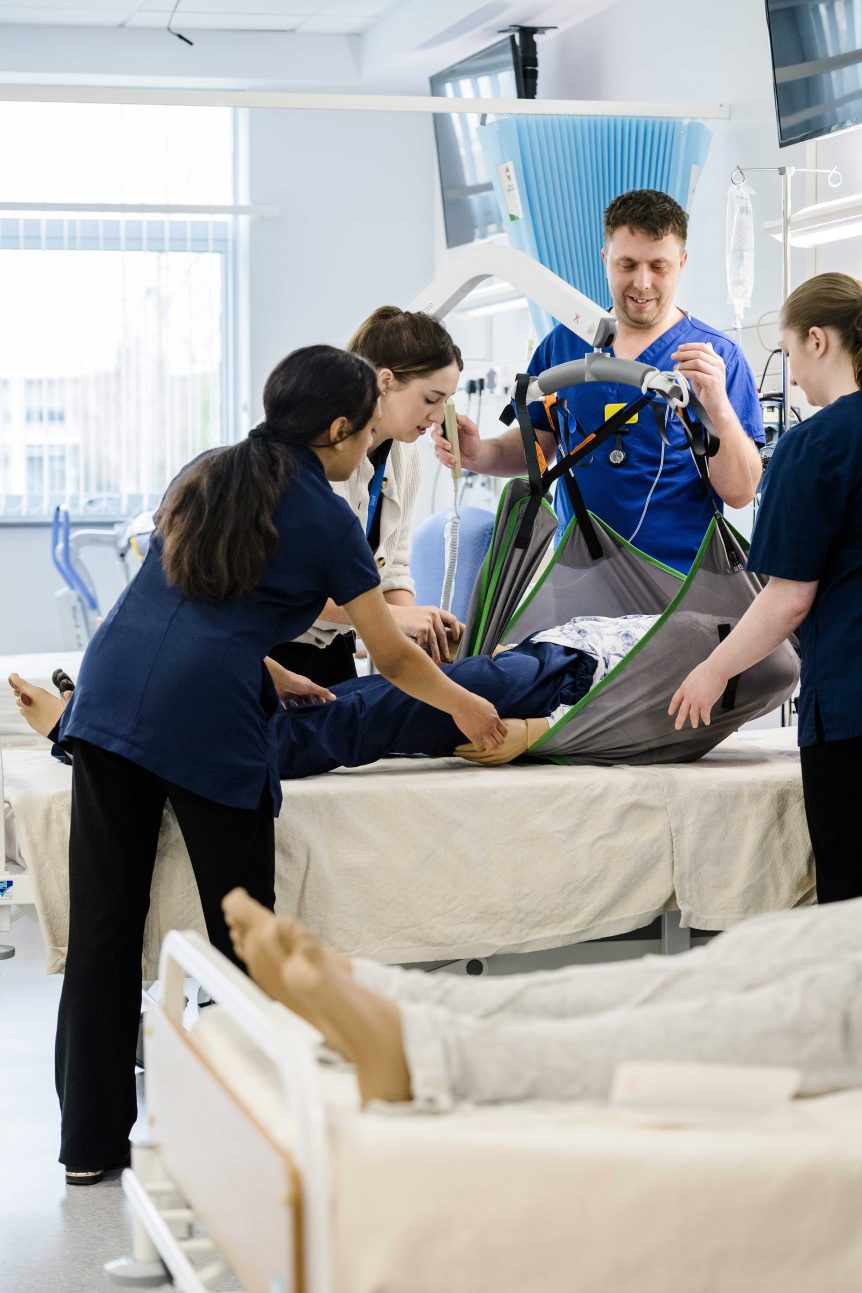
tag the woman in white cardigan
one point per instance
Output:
(418, 367)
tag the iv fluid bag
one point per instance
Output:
(739, 254)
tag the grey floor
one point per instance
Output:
(51, 1238)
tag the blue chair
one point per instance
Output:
(428, 556)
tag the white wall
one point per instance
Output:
(29, 619)
(356, 193)
(845, 152)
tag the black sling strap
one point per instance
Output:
(728, 699)
(702, 445)
(534, 467)
(573, 489)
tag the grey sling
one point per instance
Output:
(623, 718)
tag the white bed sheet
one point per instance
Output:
(562, 1198)
(574, 1196)
(418, 860)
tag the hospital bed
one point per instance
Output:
(16, 885)
(415, 860)
(261, 1155)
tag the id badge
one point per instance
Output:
(611, 409)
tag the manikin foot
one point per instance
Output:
(520, 735)
(40, 708)
(285, 958)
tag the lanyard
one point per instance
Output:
(374, 488)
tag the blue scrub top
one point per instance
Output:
(809, 527)
(679, 510)
(179, 687)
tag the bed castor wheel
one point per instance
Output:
(475, 966)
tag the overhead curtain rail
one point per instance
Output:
(185, 211)
(201, 98)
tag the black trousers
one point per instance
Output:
(324, 665)
(832, 784)
(116, 814)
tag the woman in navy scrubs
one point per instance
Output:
(808, 540)
(173, 703)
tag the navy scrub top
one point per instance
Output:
(809, 527)
(179, 687)
(679, 510)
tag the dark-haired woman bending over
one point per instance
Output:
(173, 703)
(418, 368)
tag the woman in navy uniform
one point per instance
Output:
(173, 703)
(808, 540)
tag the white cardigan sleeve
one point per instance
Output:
(399, 498)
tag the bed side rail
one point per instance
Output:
(266, 1026)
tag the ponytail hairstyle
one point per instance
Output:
(216, 520)
(829, 301)
(410, 343)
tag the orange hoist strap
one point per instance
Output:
(549, 401)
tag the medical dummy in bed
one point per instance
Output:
(781, 989)
(531, 684)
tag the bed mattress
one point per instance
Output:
(422, 860)
(576, 1196)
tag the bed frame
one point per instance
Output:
(16, 887)
(250, 1172)
(174, 1186)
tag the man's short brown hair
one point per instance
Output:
(646, 211)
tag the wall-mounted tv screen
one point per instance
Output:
(817, 66)
(470, 209)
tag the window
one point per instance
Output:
(117, 265)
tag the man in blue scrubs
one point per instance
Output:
(654, 496)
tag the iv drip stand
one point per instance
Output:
(834, 178)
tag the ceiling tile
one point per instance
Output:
(346, 23)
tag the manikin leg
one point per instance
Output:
(372, 719)
(809, 1017)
